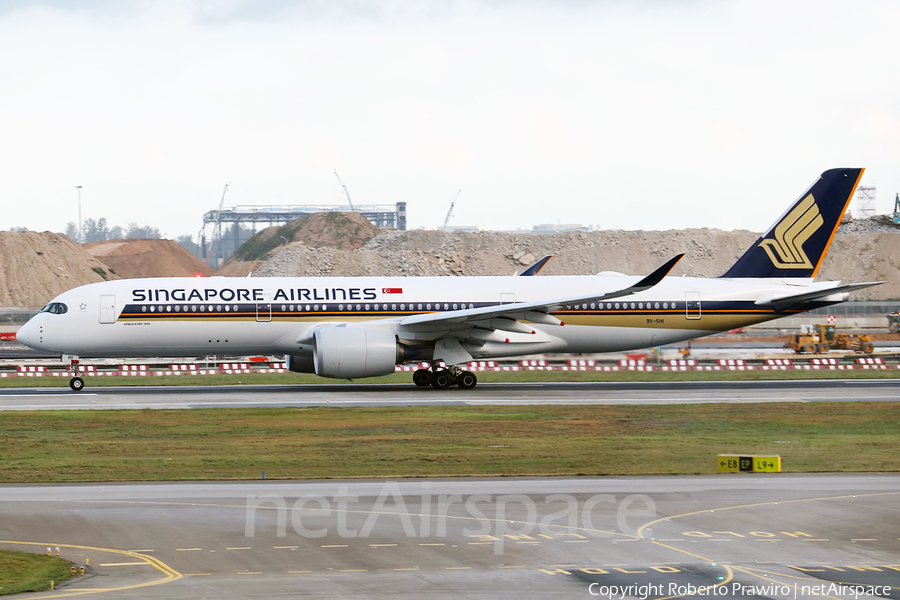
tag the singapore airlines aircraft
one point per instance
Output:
(350, 328)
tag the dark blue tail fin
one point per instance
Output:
(796, 244)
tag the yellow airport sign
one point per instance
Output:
(735, 463)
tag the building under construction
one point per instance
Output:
(232, 226)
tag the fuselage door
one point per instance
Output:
(692, 305)
(263, 311)
(107, 308)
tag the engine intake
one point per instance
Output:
(354, 352)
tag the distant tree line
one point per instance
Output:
(100, 231)
(187, 242)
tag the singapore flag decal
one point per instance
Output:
(391, 290)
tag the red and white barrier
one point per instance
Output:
(633, 363)
(581, 363)
(870, 361)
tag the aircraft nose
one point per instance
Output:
(27, 334)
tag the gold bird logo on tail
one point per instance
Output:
(786, 250)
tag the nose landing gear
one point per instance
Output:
(76, 383)
(441, 379)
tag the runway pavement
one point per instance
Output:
(139, 397)
(749, 536)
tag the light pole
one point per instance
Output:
(80, 235)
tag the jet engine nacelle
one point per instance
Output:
(353, 352)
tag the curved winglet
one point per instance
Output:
(656, 276)
(536, 267)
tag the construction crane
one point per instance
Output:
(450, 212)
(345, 190)
(216, 227)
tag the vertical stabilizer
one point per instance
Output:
(796, 244)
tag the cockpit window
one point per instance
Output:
(57, 308)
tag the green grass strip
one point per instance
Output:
(326, 442)
(24, 572)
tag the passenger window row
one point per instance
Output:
(625, 306)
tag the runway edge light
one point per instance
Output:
(735, 463)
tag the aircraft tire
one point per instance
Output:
(466, 380)
(422, 377)
(76, 383)
(440, 380)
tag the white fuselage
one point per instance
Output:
(241, 316)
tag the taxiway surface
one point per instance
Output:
(471, 538)
(140, 397)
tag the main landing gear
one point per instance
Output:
(76, 383)
(443, 378)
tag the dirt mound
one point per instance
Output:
(426, 253)
(239, 268)
(148, 258)
(854, 257)
(35, 267)
(874, 224)
(341, 230)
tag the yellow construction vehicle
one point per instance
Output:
(822, 338)
(894, 322)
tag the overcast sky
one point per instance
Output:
(636, 115)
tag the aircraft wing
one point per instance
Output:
(783, 302)
(505, 316)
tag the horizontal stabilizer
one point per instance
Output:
(784, 302)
